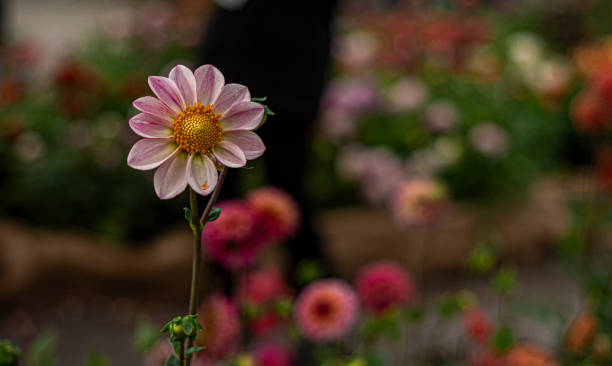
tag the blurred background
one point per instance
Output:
(465, 143)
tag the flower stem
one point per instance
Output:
(197, 225)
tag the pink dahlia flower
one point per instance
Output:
(384, 285)
(277, 212)
(230, 240)
(221, 322)
(262, 291)
(417, 201)
(326, 310)
(194, 127)
(273, 355)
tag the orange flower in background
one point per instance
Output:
(580, 332)
(528, 355)
(591, 59)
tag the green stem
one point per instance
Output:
(197, 225)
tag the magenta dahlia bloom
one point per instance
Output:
(196, 126)
(231, 240)
(277, 212)
(326, 310)
(384, 285)
(272, 354)
(220, 318)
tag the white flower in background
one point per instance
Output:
(448, 149)
(525, 49)
(441, 116)
(407, 94)
(29, 146)
(424, 163)
(490, 139)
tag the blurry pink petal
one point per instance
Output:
(148, 125)
(155, 107)
(201, 174)
(185, 81)
(229, 154)
(171, 177)
(167, 91)
(242, 116)
(247, 141)
(209, 81)
(230, 95)
(150, 153)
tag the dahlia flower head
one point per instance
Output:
(326, 310)
(277, 213)
(262, 291)
(220, 318)
(273, 354)
(195, 126)
(231, 240)
(384, 286)
(417, 201)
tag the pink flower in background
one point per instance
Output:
(196, 125)
(490, 139)
(230, 240)
(273, 355)
(220, 318)
(407, 94)
(441, 116)
(326, 310)
(262, 291)
(477, 326)
(384, 285)
(277, 213)
(356, 50)
(159, 354)
(417, 201)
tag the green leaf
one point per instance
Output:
(188, 215)
(505, 281)
(176, 345)
(503, 339)
(166, 327)
(192, 350)
(172, 361)
(259, 99)
(145, 337)
(214, 214)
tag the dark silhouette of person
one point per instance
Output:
(279, 49)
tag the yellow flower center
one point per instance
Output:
(197, 129)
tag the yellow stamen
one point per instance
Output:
(197, 129)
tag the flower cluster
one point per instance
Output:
(268, 215)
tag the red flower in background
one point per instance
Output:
(384, 285)
(604, 166)
(477, 325)
(220, 318)
(277, 213)
(273, 355)
(79, 89)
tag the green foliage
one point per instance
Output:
(182, 328)
(482, 259)
(43, 351)
(505, 281)
(308, 271)
(214, 214)
(9, 354)
(96, 359)
(145, 337)
(173, 361)
(503, 339)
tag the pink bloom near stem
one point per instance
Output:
(196, 125)
(221, 322)
(417, 201)
(230, 240)
(326, 310)
(384, 285)
(277, 213)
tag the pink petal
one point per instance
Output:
(155, 107)
(209, 81)
(229, 154)
(230, 95)
(150, 153)
(186, 83)
(148, 125)
(171, 177)
(167, 91)
(242, 116)
(247, 141)
(201, 174)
